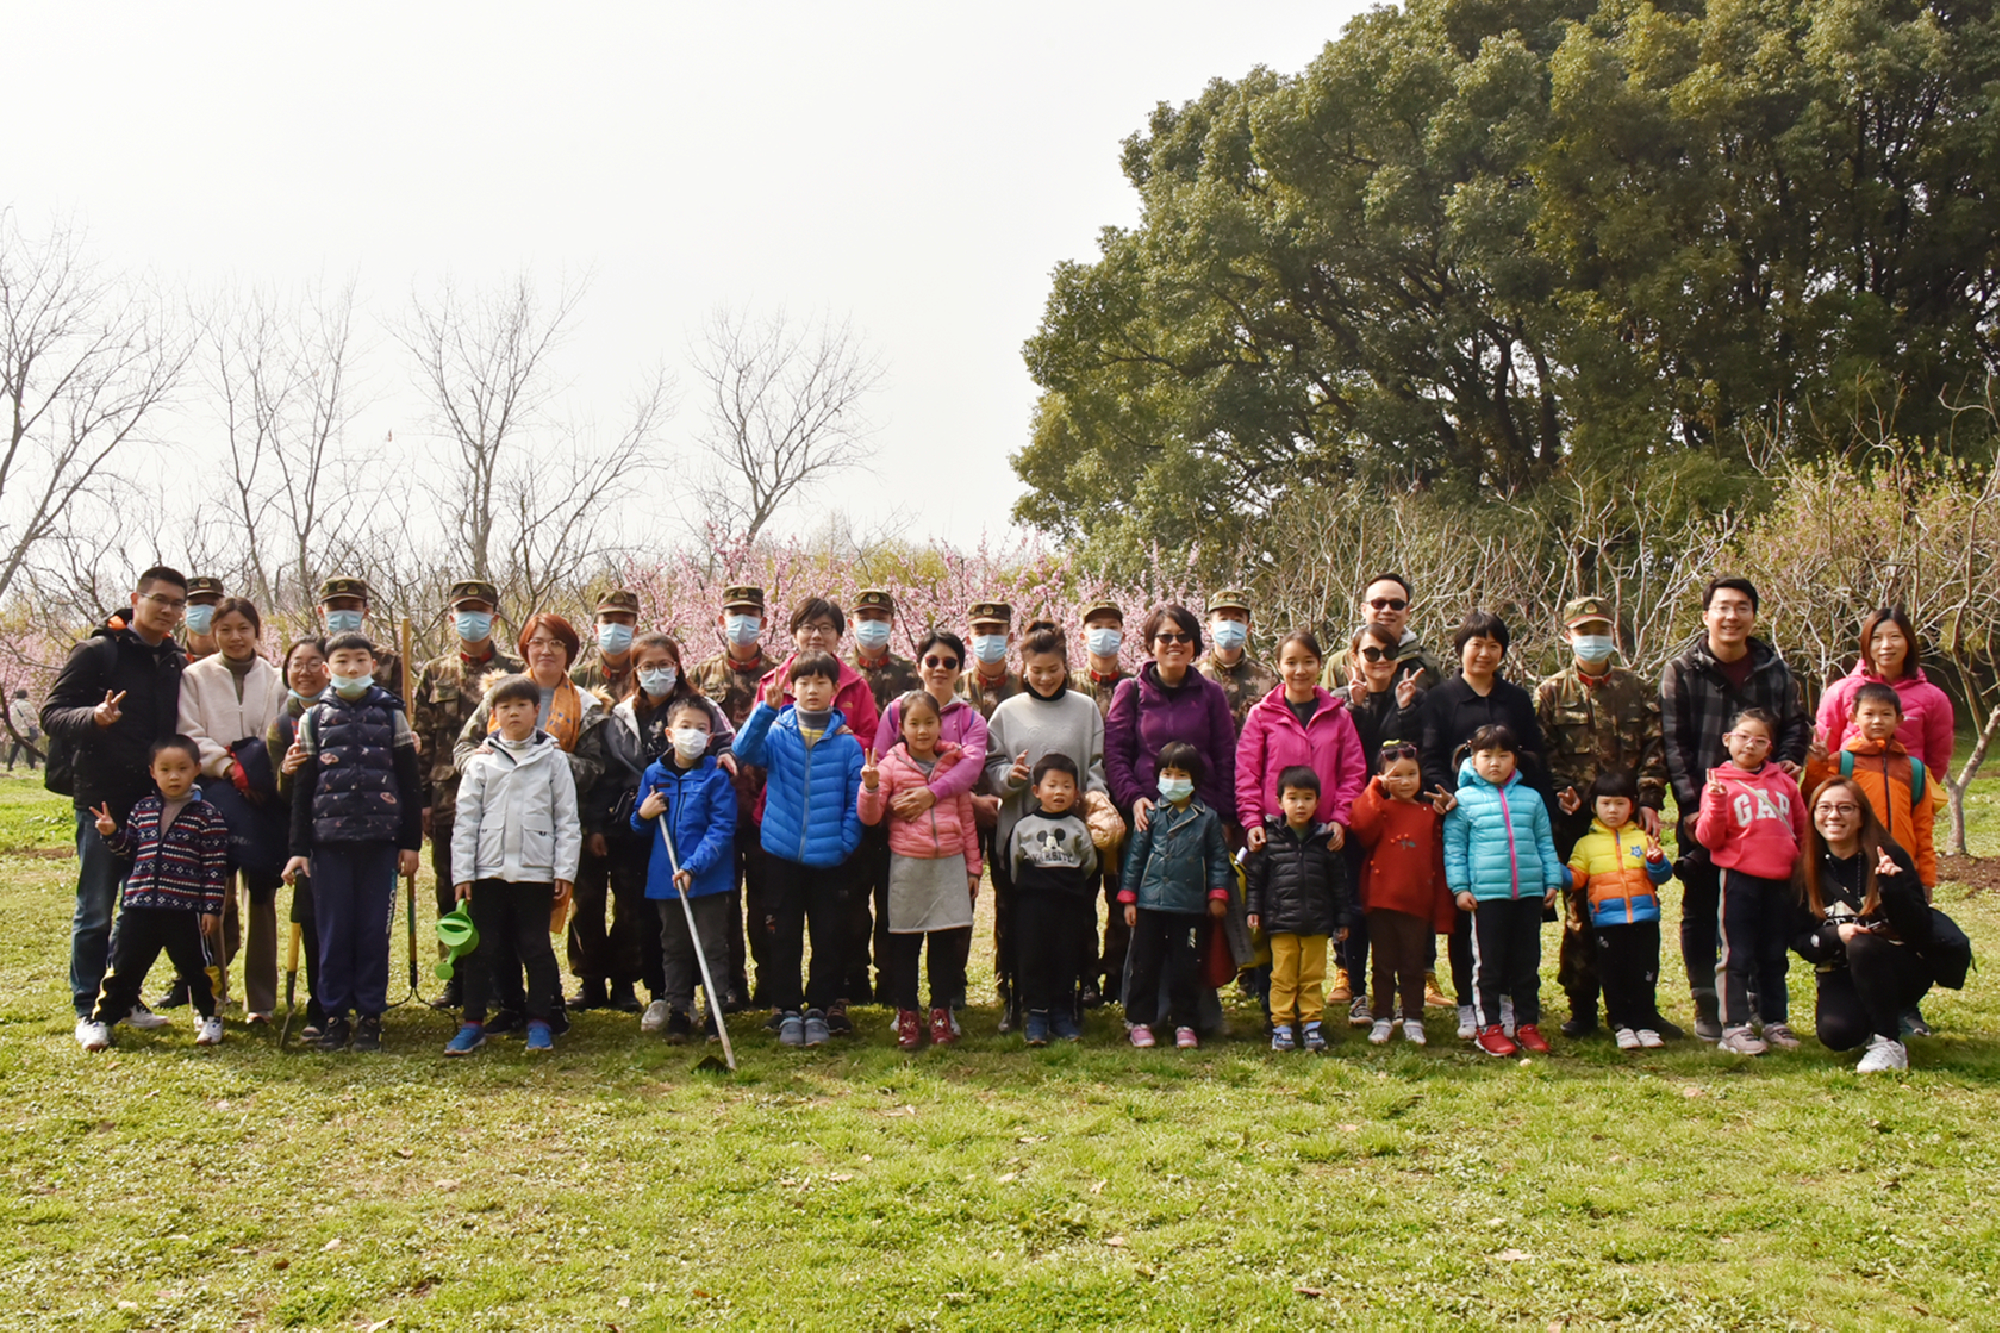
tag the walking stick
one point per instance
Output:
(409, 881)
(701, 956)
(291, 985)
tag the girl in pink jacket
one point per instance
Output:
(1301, 724)
(934, 867)
(1753, 822)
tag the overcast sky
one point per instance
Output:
(920, 169)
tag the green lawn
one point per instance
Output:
(610, 1187)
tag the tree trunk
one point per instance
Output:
(1955, 791)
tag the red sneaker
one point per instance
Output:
(909, 1029)
(941, 1033)
(1494, 1042)
(1531, 1039)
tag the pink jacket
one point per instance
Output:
(946, 829)
(1273, 741)
(1927, 717)
(1758, 823)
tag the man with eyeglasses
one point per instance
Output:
(1717, 674)
(1228, 661)
(117, 694)
(1595, 715)
(730, 680)
(1385, 601)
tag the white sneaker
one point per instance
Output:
(655, 1017)
(1649, 1039)
(1413, 1031)
(1883, 1056)
(210, 1032)
(1627, 1039)
(1741, 1041)
(1507, 1014)
(1379, 1033)
(1468, 1025)
(92, 1036)
(144, 1019)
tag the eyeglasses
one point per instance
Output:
(1753, 742)
(1841, 809)
(160, 599)
(1387, 603)
(539, 642)
(1165, 637)
(945, 663)
(1374, 654)
(819, 627)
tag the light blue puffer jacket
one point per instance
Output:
(810, 815)
(1497, 842)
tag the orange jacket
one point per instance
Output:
(1882, 771)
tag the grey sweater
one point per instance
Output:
(1069, 724)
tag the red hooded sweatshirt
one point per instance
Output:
(1756, 824)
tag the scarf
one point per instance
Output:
(565, 715)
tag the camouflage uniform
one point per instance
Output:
(449, 689)
(732, 686)
(388, 662)
(1117, 935)
(592, 674)
(1245, 683)
(890, 677)
(1100, 688)
(985, 697)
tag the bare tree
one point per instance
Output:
(783, 402)
(85, 363)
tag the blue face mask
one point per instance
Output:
(989, 648)
(1592, 648)
(200, 619)
(613, 638)
(872, 634)
(473, 626)
(1174, 790)
(658, 682)
(742, 630)
(343, 622)
(1104, 642)
(1229, 634)
(352, 687)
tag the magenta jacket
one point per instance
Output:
(1144, 716)
(959, 724)
(1273, 741)
(1927, 717)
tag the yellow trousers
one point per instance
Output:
(1298, 976)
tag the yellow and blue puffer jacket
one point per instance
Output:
(1613, 871)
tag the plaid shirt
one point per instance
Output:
(1697, 704)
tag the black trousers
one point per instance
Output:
(947, 966)
(797, 897)
(1628, 967)
(14, 751)
(1754, 919)
(1863, 999)
(1006, 964)
(1054, 934)
(868, 915)
(1701, 891)
(612, 919)
(1117, 937)
(1507, 958)
(749, 900)
(1165, 944)
(142, 934)
(513, 923)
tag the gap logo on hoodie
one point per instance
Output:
(1755, 803)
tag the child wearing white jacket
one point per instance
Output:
(514, 852)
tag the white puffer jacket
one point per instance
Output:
(517, 817)
(214, 719)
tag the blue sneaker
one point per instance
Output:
(471, 1036)
(538, 1036)
(1037, 1027)
(1314, 1038)
(1063, 1024)
(1283, 1039)
(791, 1029)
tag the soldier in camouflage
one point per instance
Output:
(990, 679)
(1099, 677)
(889, 677)
(204, 594)
(1228, 662)
(343, 609)
(1594, 716)
(608, 670)
(449, 689)
(730, 679)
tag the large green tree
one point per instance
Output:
(1480, 243)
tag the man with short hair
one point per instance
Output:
(1228, 661)
(1717, 674)
(730, 680)
(1386, 601)
(27, 725)
(1594, 716)
(343, 609)
(608, 668)
(205, 593)
(449, 688)
(117, 694)
(988, 679)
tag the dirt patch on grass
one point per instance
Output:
(40, 853)
(1981, 874)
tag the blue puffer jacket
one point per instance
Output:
(810, 793)
(1178, 861)
(701, 810)
(1497, 842)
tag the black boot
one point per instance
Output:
(453, 997)
(589, 995)
(175, 997)
(1582, 1015)
(624, 997)
(368, 1032)
(336, 1034)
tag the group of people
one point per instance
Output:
(1237, 820)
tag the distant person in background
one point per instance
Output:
(27, 726)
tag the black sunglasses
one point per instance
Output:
(1374, 654)
(949, 663)
(1387, 603)
(1165, 636)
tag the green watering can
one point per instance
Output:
(458, 935)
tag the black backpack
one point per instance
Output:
(1949, 953)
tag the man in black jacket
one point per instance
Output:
(1717, 674)
(119, 692)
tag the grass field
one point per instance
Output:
(610, 1187)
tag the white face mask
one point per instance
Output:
(352, 687)
(1104, 641)
(871, 634)
(1591, 648)
(742, 630)
(690, 742)
(658, 682)
(1176, 789)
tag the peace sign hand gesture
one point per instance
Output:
(108, 712)
(1715, 787)
(871, 776)
(1018, 774)
(106, 825)
(1443, 801)
(1407, 691)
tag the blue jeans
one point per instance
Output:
(99, 873)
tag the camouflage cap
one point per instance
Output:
(743, 594)
(619, 599)
(1584, 610)
(995, 611)
(205, 585)
(1111, 609)
(344, 587)
(472, 590)
(1230, 598)
(877, 598)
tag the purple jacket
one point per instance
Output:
(1144, 717)
(960, 724)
